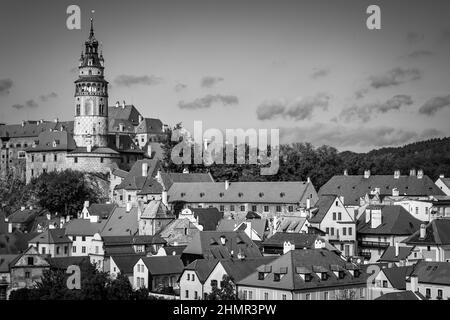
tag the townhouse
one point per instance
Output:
(430, 279)
(400, 255)
(255, 229)
(389, 280)
(53, 242)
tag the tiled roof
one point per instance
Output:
(25, 216)
(202, 268)
(323, 205)
(53, 141)
(396, 220)
(121, 223)
(16, 242)
(401, 295)
(397, 276)
(239, 269)
(241, 192)
(51, 236)
(180, 231)
(120, 173)
(151, 186)
(354, 187)
(29, 129)
(128, 113)
(209, 245)
(258, 225)
(171, 251)
(169, 178)
(126, 263)
(114, 126)
(134, 179)
(83, 227)
(65, 262)
(432, 272)
(101, 210)
(5, 260)
(437, 233)
(291, 224)
(160, 265)
(207, 217)
(156, 209)
(389, 254)
(150, 125)
(446, 181)
(304, 261)
(131, 240)
(301, 240)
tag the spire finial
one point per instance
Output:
(92, 24)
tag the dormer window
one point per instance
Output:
(261, 194)
(240, 194)
(282, 194)
(276, 277)
(261, 275)
(202, 194)
(183, 194)
(221, 194)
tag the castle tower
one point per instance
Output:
(91, 97)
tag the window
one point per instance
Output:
(327, 230)
(428, 293)
(361, 292)
(334, 215)
(426, 210)
(266, 296)
(266, 208)
(290, 208)
(43, 250)
(129, 197)
(439, 295)
(283, 297)
(74, 249)
(332, 231)
(308, 296)
(213, 283)
(74, 238)
(57, 250)
(344, 231)
(21, 154)
(278, 208)
(245, 295)
(186, 294)
(32, 158)
(83, 238)
(83, 249)
(32, 172)
(222, 208)
(43, 158)
(260, 275)
(30, 261)
(254, 208)
(232, 207)
(349, 231)
(101, 160)
(193, 277)
(276, 277)
(339, 216)
(78, 109)
(417, 210)
(66, 249)
(195, 295)
(188, 276)
(75, 160)
(55, 158)
(325, 295)
(96, 249)
(27, 275)
(242, 208)
(250, 295)
(385, 284)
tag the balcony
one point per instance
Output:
(374, 244)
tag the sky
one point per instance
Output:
(311, 69)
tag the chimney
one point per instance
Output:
(123, 104)
(86, 204)
(366, 174)
(89, 148)
(287, 246)
(396, 174)
(128, 207)
(49, 216)
(117, 141)
(423, 231)
(368, 213)
(67, 218)
(420, 174)
(308, 180)
(227, 184)
(376, 218)
(56, 120)
(308, 203)
(61, 222)
(397, 249)
(186, 170)
(22, 208)
(412, 172)
(395, 192)
(23, 123)
(149, 150)
(144, 169)
(164, 198)
(121, 127)
(117, 104)
(345, 172)
(223, 240)
(441, 176)
(140, 208)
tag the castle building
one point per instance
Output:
(99, 139)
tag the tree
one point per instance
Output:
(120, 288)
(225, 292)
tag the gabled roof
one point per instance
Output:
(51, 236)
(150, 125)
(126, 263)
(129, 112)
(64, 262)
(239, 269)
(169, 178)
(291, 224)
(5, 260)
(297, 262)
(53, 141)
(241, 192)
(389, 254)
(151, 186)
(83, 227)
(445, 181)
(354, 187)
(396, 220)
(432, 272)
(121, 223)
(397, 276)
(114, 126)
(135, 179)
(209, 245)
(301, 240)
(402, 295)
(207, 217)
(202, 268)
(156, 209)
(160, 265)
(323, 205)
(258, 225)
(29, 129)
(173, 251)
(437, 233)
(101, 210)
(180, 231)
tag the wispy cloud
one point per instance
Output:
(298, 109)
(394, 77)
(366, 112)
(320, 73)
(414, 37)
(5, 86)
(434, 105)
(209, 100)
(130, 80)
(209, 82)
(46, 97)
(180, 87)
(28, 104)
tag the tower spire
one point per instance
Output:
(91, 35)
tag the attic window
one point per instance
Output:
(202, 194)
(324, 276)
(261, 275)
(276, 277)
(282, 194)
(221, 194)
(183, 194)
(240, 194)
(261, 194)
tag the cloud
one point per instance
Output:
(28, 104)
(394, 77)
(419, 54)
(298, 109)
(129, 80)
(208, 81)
(365, 113)
(359, 94)
(5, 86)
(340, 136)
(46, 97)
(208, 100)
(320, 73)
(180, 87)
(270, 109)
(434, 105)
(414, 37)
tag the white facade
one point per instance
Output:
(418, 209)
